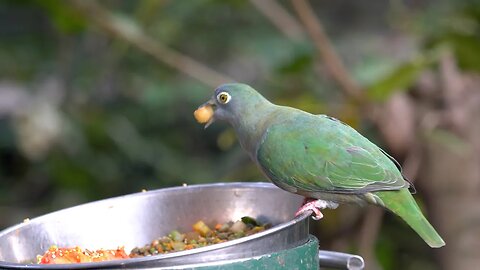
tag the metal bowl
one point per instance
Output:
(137, 219)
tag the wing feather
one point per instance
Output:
(317, 153)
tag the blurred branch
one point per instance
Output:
(454, 93)
(333, 63)
(368, 235)
(143, 14)
(279, 17)
(129, 32)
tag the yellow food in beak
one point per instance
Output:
(204, 114)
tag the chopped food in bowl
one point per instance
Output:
(201, 235)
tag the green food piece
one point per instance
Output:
(176, 236)
(239, 234)
(317, 156)
(222, 235)
(178, 246)
(249, 221)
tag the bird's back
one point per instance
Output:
(316, 153)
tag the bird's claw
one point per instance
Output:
(315, 205)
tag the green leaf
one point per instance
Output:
(460, 31)
(63, 16)
(297, 64)
(399, 79)
(466, 48)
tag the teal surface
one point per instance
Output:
(304, 257)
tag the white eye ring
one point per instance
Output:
(224, 97)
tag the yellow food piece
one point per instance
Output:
(203, 114)
(201, 228)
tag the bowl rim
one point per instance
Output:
(125, 262)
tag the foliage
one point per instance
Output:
(400, 78)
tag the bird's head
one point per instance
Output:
(230, 102)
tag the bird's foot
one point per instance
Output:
(315, 205)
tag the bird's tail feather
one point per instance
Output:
(403, 204)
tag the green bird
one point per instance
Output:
(315, 156)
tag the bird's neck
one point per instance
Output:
(251, 127)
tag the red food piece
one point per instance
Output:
(56, 255)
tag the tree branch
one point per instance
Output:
(333, 63)
(368, 234)
(130, 33)
(280, 18)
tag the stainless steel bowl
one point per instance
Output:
(137, 219)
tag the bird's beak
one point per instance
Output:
(205, 113)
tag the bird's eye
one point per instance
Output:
(224, 97)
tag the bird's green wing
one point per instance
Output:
(320, 154)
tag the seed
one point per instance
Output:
(203, 114)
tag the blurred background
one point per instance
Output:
(96, 100)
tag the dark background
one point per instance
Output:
(96, 100)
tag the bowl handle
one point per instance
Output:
(339, 260)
